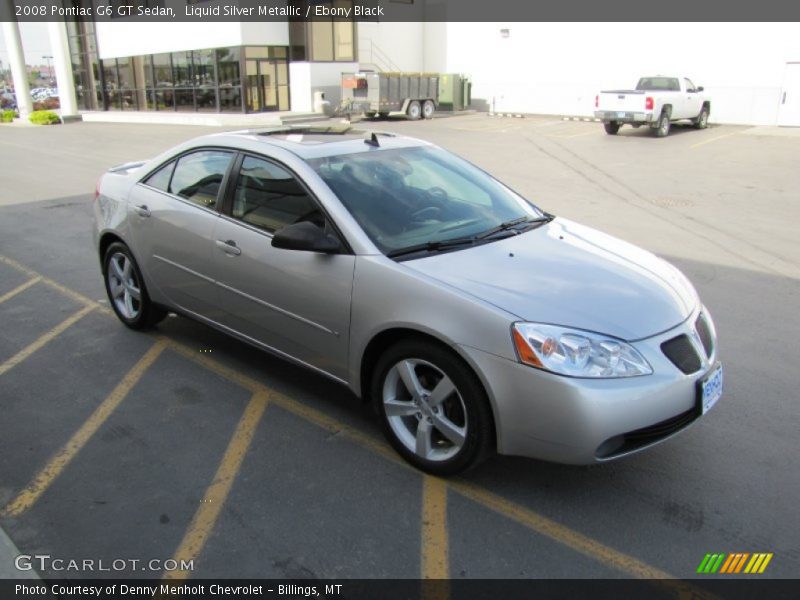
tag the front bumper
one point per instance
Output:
(624, 116)
(583, 421)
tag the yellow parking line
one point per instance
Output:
(714, 139)
(533, 520)
(28, 497)
(18, 289)
(212, 502)
(78, 297)
(435, 563)
(44, 339)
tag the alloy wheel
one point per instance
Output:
(123, 286)
(425, 409)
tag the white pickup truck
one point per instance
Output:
(657, 102)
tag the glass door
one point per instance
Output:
(267, 84)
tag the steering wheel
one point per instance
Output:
(438, 194)
(426, 214)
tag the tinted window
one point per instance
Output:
(160, 179)
(198, 176)
(658, 84)
(269, 197)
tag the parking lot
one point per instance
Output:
(184, 444)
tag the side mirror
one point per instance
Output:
(700, 88)
(306, 236)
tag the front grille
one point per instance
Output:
(682, 354)
(633, 440)
(704, 331)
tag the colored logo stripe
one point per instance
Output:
(735, 563)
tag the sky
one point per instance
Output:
(35, 42)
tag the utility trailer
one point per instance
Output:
(378, 94)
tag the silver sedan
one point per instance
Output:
(473, 320)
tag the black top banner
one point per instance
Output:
(198, 11)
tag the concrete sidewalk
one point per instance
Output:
(9, 552)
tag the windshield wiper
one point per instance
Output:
(505, 226)
(433, 246)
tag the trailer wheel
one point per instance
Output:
(428, 107)
(413, 111)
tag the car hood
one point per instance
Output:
(568, 274)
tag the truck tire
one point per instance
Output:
(662, 130)
(428, 108)
(612, 127)
(701, 122)
(413, 111)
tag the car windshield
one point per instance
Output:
(409, 197)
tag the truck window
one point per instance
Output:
(658, 84)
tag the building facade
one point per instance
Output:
(751, 70)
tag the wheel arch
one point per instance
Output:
(382, 340)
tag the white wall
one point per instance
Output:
(557, 68)
(305, 78)
(402, 43)
(119, 39)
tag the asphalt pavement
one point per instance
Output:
(182, 444)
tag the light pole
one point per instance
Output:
(49, 71)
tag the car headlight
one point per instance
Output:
(576, 353)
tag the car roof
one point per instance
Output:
(313, 141)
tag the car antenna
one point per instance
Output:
(372, 140)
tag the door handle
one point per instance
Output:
(229, 247)
(142, 210)
(784, 98)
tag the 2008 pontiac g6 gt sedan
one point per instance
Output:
(473, 320)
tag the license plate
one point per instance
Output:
(710, 390)
(620, 115)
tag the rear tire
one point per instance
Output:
(444, 425)
(662, 130)
(612, 127)
(413, 111)
(701, 122)
(126, 289)
(428, 108)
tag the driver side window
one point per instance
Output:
(270, 198)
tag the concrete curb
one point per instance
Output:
(8, 552)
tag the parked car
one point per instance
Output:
(657, 102)
(474, 320)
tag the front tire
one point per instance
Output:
(701, 122)
(433, 409)
(612, 127)
(414, 110)
(126, 289)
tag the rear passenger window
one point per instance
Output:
(160, 179)
(198, 176)
(269, 197)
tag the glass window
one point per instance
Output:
(689, 85)
(163, 70)
(343, 33)
(297, 39)
(182, 67)
(321, 40)
(228, 65)
(160, 179)
(411, 196)
(269, 197)
(198, 176)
